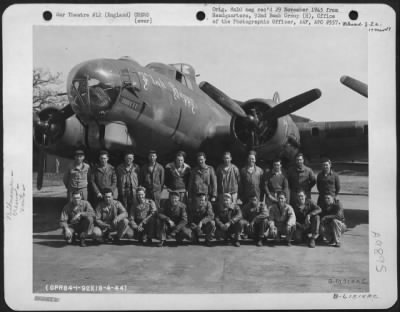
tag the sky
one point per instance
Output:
(243, 62)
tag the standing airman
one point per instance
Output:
(327, 181)
(77, 176)
(103, 176)
(300, 177)
(127, 181)
(203, 179)
(177, 175)
(152, 178)
(250, 179)
(228, 178)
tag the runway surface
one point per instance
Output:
(198, 269)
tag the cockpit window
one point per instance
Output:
(182, 79)
(179, 76)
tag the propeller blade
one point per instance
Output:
(222, 99)
(42, 166)
(293, 104)
(276, 98)
(64, 113)
(355, 85)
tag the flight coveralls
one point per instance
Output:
(76, 179)
(275, 182)
(310, 211)
(201, 219)
(153, 181)
(101, 178)
(203, 180)
(300, 178)
(282, 221)
(233, 215)
(228, 181)
(127, 182)
(177, 179)
(250, 183)
(144, 214)
(333, 221)
(178, 215)
(327, 184)
(77, 219)
(255, 220)
(111, 218)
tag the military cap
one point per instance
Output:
(141, 189)
(79, 152)
(103, 152)
(201, 194)
(171, 192)
(152, 152)
(253, 194)
(325, 159)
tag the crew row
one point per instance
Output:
(226, 220)
(179, 177)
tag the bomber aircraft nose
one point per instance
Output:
(93, 87)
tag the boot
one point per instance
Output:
(83, 243)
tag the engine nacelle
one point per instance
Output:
(56, 135)
(270, 138)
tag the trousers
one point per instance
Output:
(181, 233)
(332, 230)
(303, 229)
(282, 228)
(207, 228)
(121, 228)
(83, 227)
(258, 230)
(233, 230)
(156, 196)
(148, 231)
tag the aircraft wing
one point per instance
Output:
(338, 140)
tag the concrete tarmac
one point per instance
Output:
(199, 269)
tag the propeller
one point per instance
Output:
(49, 124)
(285, 108)
(293, 104)
(256, 124)
(222, 99)
(42, 167)
(355, 85)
